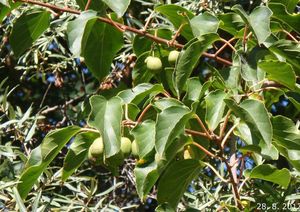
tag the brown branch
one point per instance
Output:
(203, 127)
(143, 113)
(196, 133)
(271, 84)
(236, 193)
(224, 46)
(125, 28)
(67, 103)
(88, 4)
(148, 22)
(173, 41)
(224, 125)
(205, 150)
(51, 6)
(228, 134)
(290, 36)
(228, 43)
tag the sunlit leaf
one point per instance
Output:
(42, 156)
(175, 180)
(27, 29)
(270, 173)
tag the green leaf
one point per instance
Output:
(77, 153)
(6, 9)
(118, 6)
(193, 89)
(253, 143)
(287, 138)
(19, 201)
(106, 117)
(272, 174)
(165, 103)
(291, 155)
(165, 207)
(261, 29)
(215, 107)
(138, 93)
(42, 156)
(231, 23)
(98, 5)
(280, 72)
(189, 57)
(27, 29)
(175, 180)
(100, 44)
(286, 132)
(170, 123)
(144, 134)
(254, 113)
(147, 175)
(289, 4)
(75, 30)
(204, 23)
(145, 178)
(294, 98)
(288, 50)
(178, 16)
(281, 14)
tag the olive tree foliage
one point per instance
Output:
(198, 94)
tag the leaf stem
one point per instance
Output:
(196, 133)
(216, 172)
(88, 4)
(228, 134)
(203, 127)
(204, 150)
(143, 113)
(224, 125)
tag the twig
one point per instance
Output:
(216, 172)
(224, 125)
(44, 97)
(171, 42)
(228, 134)
(236, 193)
(126, 28)
(243, 183)
(204, 150)
(143, 113)
(242, 166)
(196, 133)
(148, 21)
(229, 44)
(87, 6)
(67, 103)
(224, 46)
(203, 127)
(291, 36)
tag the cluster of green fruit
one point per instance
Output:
(96, 150)
(154, 64)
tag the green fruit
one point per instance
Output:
(154, 64)
(125, 145)
(97, 148)
(134, 148)
(95, 160)
(173, 57)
